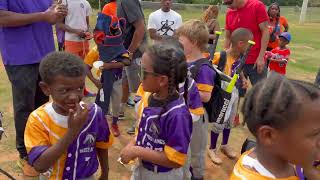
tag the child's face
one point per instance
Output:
(283, 42)
(150, 80)
(66, 92)
(299, 142)
(188, 46)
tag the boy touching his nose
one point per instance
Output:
(65, 138)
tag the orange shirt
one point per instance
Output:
(283, 23)
(111, 10)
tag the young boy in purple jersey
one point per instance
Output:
(64, 139)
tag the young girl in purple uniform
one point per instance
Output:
(165, 127)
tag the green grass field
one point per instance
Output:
(305, 61)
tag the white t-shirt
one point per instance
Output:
(164, 22)
(78, 10)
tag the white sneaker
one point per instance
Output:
(225, 149)
(214, 156)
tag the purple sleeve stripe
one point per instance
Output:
(35, 153)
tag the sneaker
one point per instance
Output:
(115, 130)
(225, 149)
(131, 130)
(130, 103)
(27, 169)
(214, 156)
(121, 116)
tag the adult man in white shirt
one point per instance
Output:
(164, 21)
(76, 27)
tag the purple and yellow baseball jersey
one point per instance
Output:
(204, 78)
(193, 99)
(241, 172)
(45, 127)
(167, 128)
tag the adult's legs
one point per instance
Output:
(27, 96)
(133, 80)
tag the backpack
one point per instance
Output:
(220, 99)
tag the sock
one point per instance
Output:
(225, 137)
(114, 120)
(214, 138)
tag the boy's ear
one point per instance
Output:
(45, 88)
(267, 135)
(241, 43)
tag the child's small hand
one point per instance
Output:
(128, 153)
(77, 118)
(245, 83)
(97, 83)
(79, 32)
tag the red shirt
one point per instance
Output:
(250, 16)
(279, 54)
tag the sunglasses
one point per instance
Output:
(143, 73)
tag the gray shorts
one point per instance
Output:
(115, 99)
(141, 173)
(131, 75)
(198, 146)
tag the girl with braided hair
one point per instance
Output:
(284, 116)
(165, 127)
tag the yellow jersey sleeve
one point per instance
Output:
(36, 138)
(92, 56)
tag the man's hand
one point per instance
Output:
(260, 64)
(77, 118)
(55, 13)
